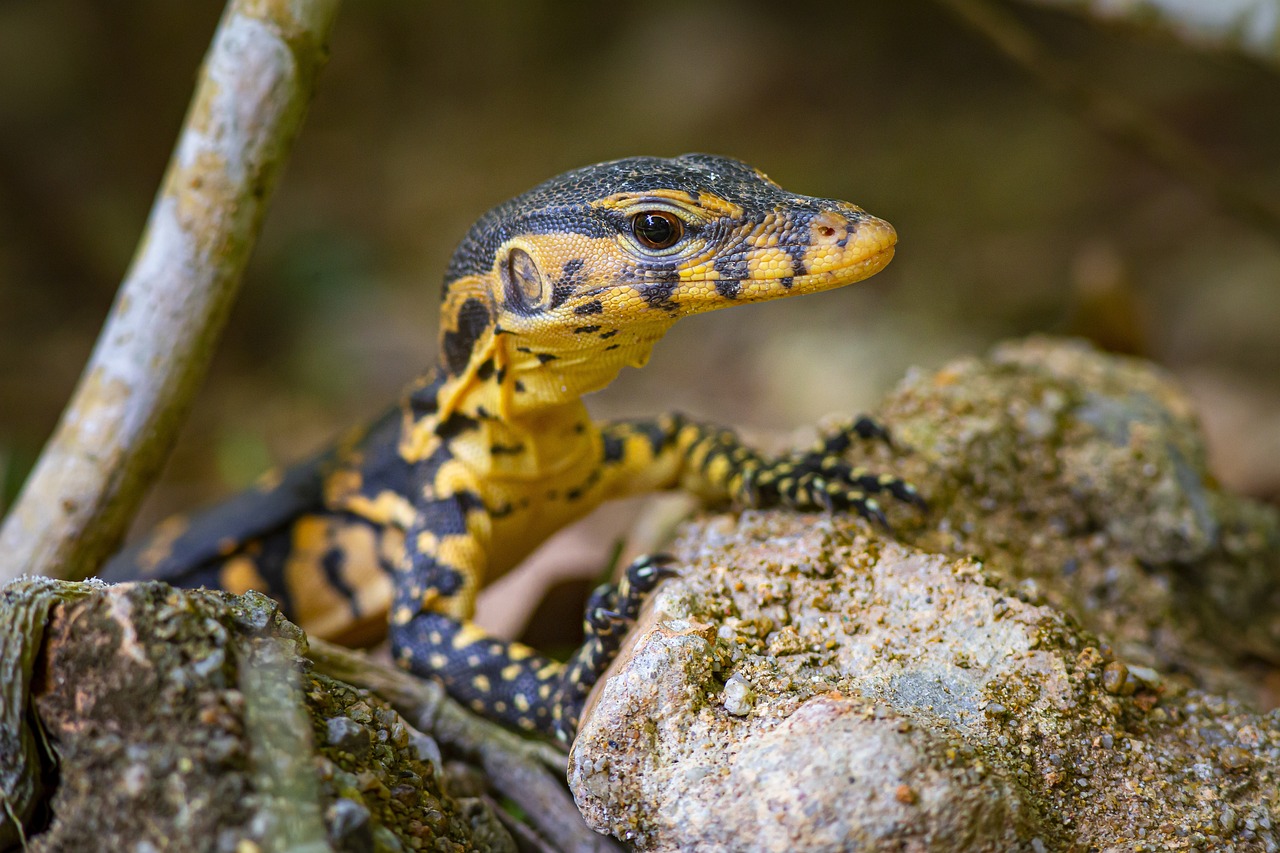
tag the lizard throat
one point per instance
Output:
(513, 377)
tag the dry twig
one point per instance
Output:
(1117, 117)
(249, 104)
(1248, 27)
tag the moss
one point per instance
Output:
(1045, 636)
(193, 715)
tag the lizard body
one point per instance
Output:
(546, 299)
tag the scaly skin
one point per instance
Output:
(547, 298)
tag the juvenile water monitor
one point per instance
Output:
(546, 299)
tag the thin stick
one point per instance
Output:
(1117, 117)
(1248, 27)
(249, 103)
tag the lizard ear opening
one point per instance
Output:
(522, 282)
(466, 315)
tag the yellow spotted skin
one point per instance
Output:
(547, 298)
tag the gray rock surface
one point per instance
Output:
(189, 720)
(1080, 479)
(998, 675)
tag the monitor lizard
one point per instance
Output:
(546, 299)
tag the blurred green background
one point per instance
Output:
(1014, 215)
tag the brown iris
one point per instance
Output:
(657, 229)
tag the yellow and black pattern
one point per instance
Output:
(513, 683)
(547, 298)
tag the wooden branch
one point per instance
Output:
(24, 615)
(250, 100)
(278, 727)
(1117, 117)
(1248, 27)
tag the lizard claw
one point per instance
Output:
(869, 508)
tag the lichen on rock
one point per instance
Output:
(999, 675)
(190, 720)
(1083, 477)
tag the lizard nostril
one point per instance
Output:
(829, 226)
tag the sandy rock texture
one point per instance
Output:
(1083, 478)
(1062, 654)
(189, 720)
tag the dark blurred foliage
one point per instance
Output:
(1014, 216)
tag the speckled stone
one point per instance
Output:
(187, 719)
(1022, 669)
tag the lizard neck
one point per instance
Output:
(535, 376)
(493, 371)
(515, 408)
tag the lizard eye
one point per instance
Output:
(657, 229)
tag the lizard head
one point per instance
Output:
(551, 293)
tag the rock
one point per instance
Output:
(189, 720)
(1079, 478)
(999, 675)
(347, 735)
(851, 746)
